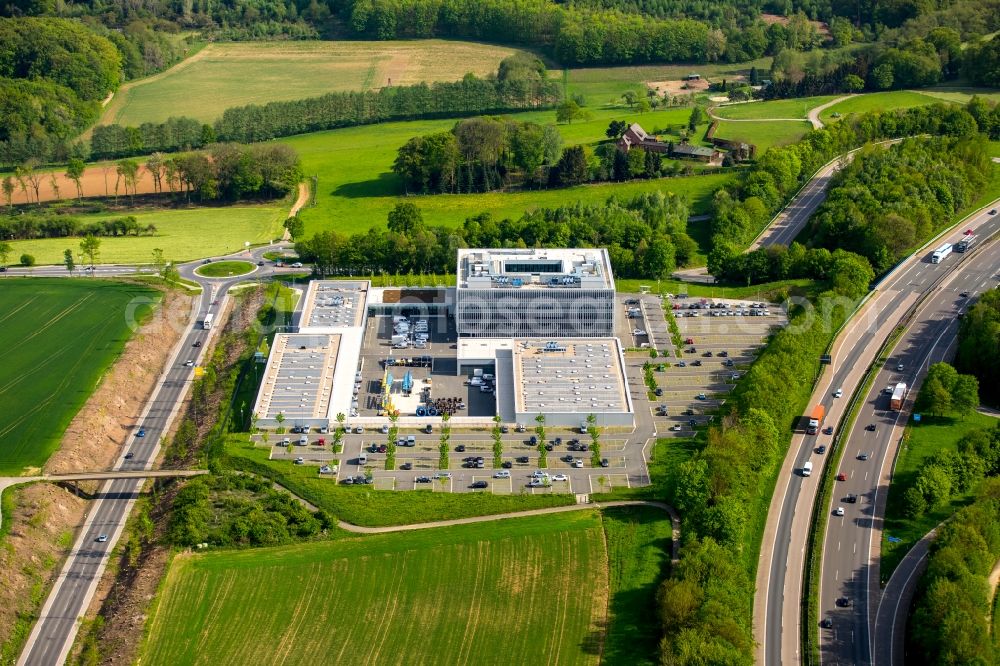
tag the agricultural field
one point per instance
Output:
(183, 235)
(961, 95)
(357, 189)
(232, 74)
(883, 101)
(781, 108)
(764, 133)
(529, 590)
(59, 337)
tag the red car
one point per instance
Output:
(320, 442)
(841, 477)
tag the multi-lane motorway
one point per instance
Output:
(850, 558)
(777, 608)
(53, 633)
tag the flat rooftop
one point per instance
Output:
(334, 304)
(580, 375)
(298, 378)
(586, 268)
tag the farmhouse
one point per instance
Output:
(636, 137)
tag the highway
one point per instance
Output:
(777, 606)
(52, 635)
(851, 550)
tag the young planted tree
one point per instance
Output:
(540, 432)
(595, 444)
(497, 442)
(91, 246)
(54, 183)
(280, 418)
(68, 260)
(5, 250)
(390, 444)
(338, 432)
(33, 177)
(444, 445)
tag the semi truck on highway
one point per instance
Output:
(207, 322)
(966, 243)
(815, 419)
(898, 396)
(941, 253)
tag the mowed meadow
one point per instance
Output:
(183, 234)
(233, 74)
(527, 590)
(59, 337)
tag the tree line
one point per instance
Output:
(54, 225)
(951, 609)
(645, 237)
(722, 493)
(979, 344)
(520, 83)
(743, 209)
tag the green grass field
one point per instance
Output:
(232, 74)
(764, 134)
(59, 336)
(883, 101)
(782, 108)
(220, 269)
(183, 235)
(923, 440)
(530, 590)
(357, 189)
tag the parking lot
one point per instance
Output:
(691, 387)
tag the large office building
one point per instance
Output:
(558, 293)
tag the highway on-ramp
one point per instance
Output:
(52, 636)
(851, 569)
(777, 605)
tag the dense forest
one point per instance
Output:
(742, 210)
(520, 83)
(979, 345)
(890, 200)
(645, 237)
(950, 619)
(54, 74)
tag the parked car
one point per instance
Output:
(839, 511)
(479, 485)
(851, 499)
(841, 477)
(460, 448)
(870, 427)
(522, 459)
(844, 602)
(406, 466)
(423, 479)
(604, 462)
(502, 474)
(658, 391)
(676, 428)
(560, 477)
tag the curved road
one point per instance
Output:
(777, 606)
(53, 633)
(853, 541)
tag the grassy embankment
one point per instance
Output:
(59, 337)
(920, 442)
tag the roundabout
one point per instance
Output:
(225, 269)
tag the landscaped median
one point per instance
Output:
(225, 269)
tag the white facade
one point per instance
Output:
(529, 293)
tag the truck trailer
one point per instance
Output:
(815, 419)
(898, 396)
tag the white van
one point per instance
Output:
(303, 440)
(363, 459)
(807, 469)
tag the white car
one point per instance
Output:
(899, 368)
(443, 475)
(385, 429)
(189, 363)
(539, 474)
(360, 430)
(297, 264)
(560, 477)
(502, 474)
(676, 428)
(300, 461)
(578, 463)
(638, 332)
(839, 393)
(839, 511)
